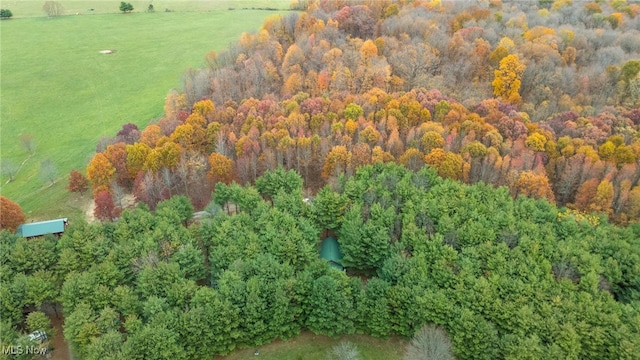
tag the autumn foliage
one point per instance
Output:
(507, 79)
(11, 215)
(221, 169)
(77, 182)
(344, 85)
(105, 209)
(100, 172)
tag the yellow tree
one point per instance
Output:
(100, 172)
(369, 135)
(633, 204)
(136, 158)
(412, 159)
(604, 197)
(206, 108)
(221, 169)
(448, 165)
(534, 185)
(183, 135)
(170, 154)
(368, 50)
(507, 81)
(536, 142)
(431, 140)
(380, 156)
(337, 162)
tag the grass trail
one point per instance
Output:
(309, 346)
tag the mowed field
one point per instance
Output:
(309, 346)
(56, 86)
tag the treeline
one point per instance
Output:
(506, 278)
(587, 163)
(342, 85)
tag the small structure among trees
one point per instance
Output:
(41, 228)
(330, 251)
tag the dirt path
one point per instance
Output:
(89, 207)
(60, 347)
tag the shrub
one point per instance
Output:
(126, 7)
(5, 14)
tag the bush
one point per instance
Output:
(126, 7)
(5, 14)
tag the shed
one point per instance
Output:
(42, 228)
(330, 251)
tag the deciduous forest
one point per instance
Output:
(478, 163)
(539, 97)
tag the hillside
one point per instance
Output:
(512, 95)
(478, 164)
(55, 81)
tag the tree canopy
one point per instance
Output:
(504, 278)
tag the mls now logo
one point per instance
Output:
(20, 350)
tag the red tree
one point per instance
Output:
(105, 209)
(11, 215)
(77, 182)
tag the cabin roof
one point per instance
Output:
(330, 251)
(42, 228)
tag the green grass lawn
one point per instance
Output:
(308, 346)
(56, 86)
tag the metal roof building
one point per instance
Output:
(330, 251)
(42, 228)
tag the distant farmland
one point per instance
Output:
(58, 88)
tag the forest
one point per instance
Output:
(478, 163)
(540, 97)
(507, 279)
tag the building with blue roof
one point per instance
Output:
(330, 251)
(41, 228)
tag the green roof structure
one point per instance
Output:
(330, 251)
(42, 228)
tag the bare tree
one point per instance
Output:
(9, 169)
(53, 8)
(48, 171)
(431, 343)
(118, 193)
(26, 140)
(344, 351)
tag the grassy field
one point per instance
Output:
(57, 87)
(308, 346)
(31, 8)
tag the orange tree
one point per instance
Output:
(11, 215)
